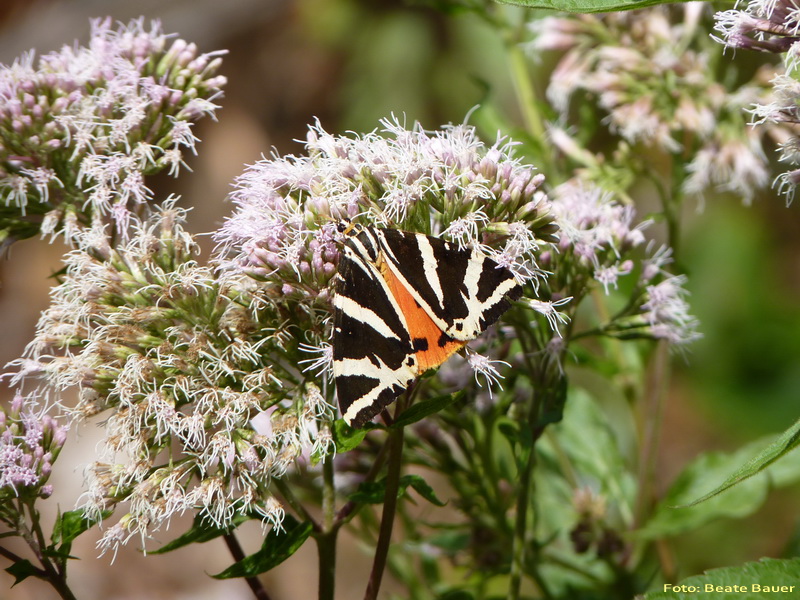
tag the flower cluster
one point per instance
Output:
(772, 26)
(766, 25)
(30, 440)
(597, 244)
(82, 127)
(202, 409)
(445, 183)
(652, 78)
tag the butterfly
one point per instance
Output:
(404, 303)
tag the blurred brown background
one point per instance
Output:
(279, 78)
(349, 63)
(345, 62)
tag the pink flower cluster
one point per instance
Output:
(30, 440)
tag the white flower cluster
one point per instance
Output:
(199, 410)
(444, 183)
(772, 26)
(598, 239)
(81, 128)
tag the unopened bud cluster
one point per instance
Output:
(30, 440)
(649, 73)
(600, 243)
(439, 183)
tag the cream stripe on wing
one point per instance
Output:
(359, 313)
(366, 368)
(391, 262)
(429, 266)
(384, 376)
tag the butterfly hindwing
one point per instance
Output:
(404, 303)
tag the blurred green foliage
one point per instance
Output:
(744, 375)
(742, 380)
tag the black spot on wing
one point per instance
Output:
(419, 344)
(444, 339)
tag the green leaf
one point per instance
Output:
(673, 516)
(346, 438)
(277, 547)
(787, 442)
(71, 524)
(587, 6)
(746, 481)
(420, 410)
(21, 570)
(369, 492)
(201, 531)
(510, 430)
(555, 397)
(452, 542)
(68, 526)
(421, 487)
(767, 579)
(587, 437)
(374, 492)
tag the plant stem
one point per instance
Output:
(52, 572)
(651, 429)
(522, 535)
(326, 553)
(238, 554)
(326, 538)
(521, 526)
(524, 88)
(395, 443)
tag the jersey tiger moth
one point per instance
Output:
(404, 303)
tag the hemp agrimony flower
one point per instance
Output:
(202, 409)
(651, 75)
(772, 27)
(30, 441)
(597, 246)
(445, 183)
(81, 128)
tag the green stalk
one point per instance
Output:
(326, 539)
(50, 572)
(521, 526)
(395, 443)
(651, 420)
(259, 592)
(523, 535)
(524, 90)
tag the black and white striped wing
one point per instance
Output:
(372, 353)
(462, 290)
